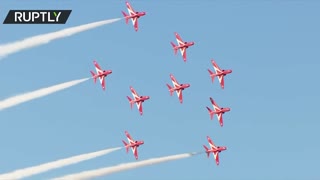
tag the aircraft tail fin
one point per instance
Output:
(130, 101)
(210, 112)
(175, 49)
(126, 146)
(170, 89)
(212, 75)
(126, 17)
(206, 148)
(93, 76)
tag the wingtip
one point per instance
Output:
(221, 124)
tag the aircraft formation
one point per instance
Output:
(181, 46)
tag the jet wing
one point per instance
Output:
(139, 106)
(131, 141)
(221, 80)
(212, 145)
(134, 93)
(216, 157)
(183, 52)
(97, 67)
(220, 118)
(103, 82)
(179, 94)
(179, 39)
(214, 104)
(216, 67)
(135, 151)
(130, 9)
(135, 23)
(174, 81)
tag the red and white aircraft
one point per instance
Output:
(133, 15)
(182, 46)
(220, 73)
(101, 74)
(132, 144)
(137, 99)
(218, 111)
(177, 87)
(215, 150)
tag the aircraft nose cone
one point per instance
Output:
(230, 71)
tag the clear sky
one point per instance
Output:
(272, 130)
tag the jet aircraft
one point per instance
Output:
(218, 111)
(137, 99)
(177, 87)
(133, 15)
(132, 144)
(215, 150)
(182, 46)
(101, 74)
(220, 73)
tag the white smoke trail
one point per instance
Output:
(17, 46)
(122, 167)
(16, 100)
(23, 173)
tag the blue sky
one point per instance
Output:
(271, 131)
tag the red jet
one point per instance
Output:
(137, 99)
(218, 111)
(215, 150)
(177, 87)
(134, 16)
(101, 74)
(220, 73)
(182, 46)
(132, 144)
